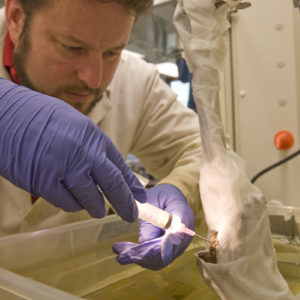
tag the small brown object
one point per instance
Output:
(210, 256)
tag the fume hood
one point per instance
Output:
(154, 35)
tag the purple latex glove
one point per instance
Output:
(53, 151)
(156, 249)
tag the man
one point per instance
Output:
(72, 50)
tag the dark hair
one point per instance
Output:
(138, 7)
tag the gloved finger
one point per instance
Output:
(148, 232)
(147, 255)
(87, 194)
(136, 187)
(119, 247)
(154, 254)
(174, 244)
(63, 199)
(132, 181)
(117, 192)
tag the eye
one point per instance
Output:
(71, 48)
(111, 54)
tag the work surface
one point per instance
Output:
(77, 258)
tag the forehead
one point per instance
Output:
(89, 20)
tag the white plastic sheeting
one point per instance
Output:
(233, 207)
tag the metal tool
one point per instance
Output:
(202, 238)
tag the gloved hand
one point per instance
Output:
(157, 249)
(53, 151)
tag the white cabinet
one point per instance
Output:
(265, 70)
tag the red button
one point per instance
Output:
(283, 140)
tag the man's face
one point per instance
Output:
(70, 50)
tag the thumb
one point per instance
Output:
(148, 232)
(119, 247)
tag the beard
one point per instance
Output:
(20, 59)
(20, 56)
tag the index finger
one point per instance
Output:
(113, 185)
(131, 180)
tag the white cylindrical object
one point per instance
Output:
(154, 215)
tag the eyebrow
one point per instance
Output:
(75, 40)
(117, 48)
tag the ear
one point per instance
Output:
(15, 18)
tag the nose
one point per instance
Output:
(90, 71)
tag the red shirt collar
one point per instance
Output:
(8, 59)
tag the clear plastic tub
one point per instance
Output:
(285, 227)
(76, 261)
(285, 222)
(75, 258)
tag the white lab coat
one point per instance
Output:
(142, 116)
